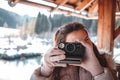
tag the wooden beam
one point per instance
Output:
(74, 1)
(116, 32)
(34, 4)
(50, 8)
(84, 5)
(106, 24)
(93, 10)
(117, 6)
(59, 3)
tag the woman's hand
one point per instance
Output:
(90, 61)
(50, 60)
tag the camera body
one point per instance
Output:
(74, 52)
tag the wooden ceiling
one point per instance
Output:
(82, 8)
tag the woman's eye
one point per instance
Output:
(86, 39)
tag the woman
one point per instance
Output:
(92, 67)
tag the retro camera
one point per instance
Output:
(74, 52)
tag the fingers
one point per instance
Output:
(86, 43)
(57, 58)
(55, 51)
(53, 56)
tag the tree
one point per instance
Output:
(42, 24)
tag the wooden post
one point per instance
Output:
(106, 24)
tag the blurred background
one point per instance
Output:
(26, 33)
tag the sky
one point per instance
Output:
(22, 9)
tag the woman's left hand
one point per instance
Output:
(90, 61)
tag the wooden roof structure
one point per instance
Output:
(82, 8)
(104, 10)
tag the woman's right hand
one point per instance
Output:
(50, 59)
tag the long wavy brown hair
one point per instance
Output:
(60, 35)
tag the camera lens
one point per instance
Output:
(70, 48)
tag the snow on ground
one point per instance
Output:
(20, 70)
(9, 71)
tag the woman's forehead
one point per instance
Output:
(77, 35)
